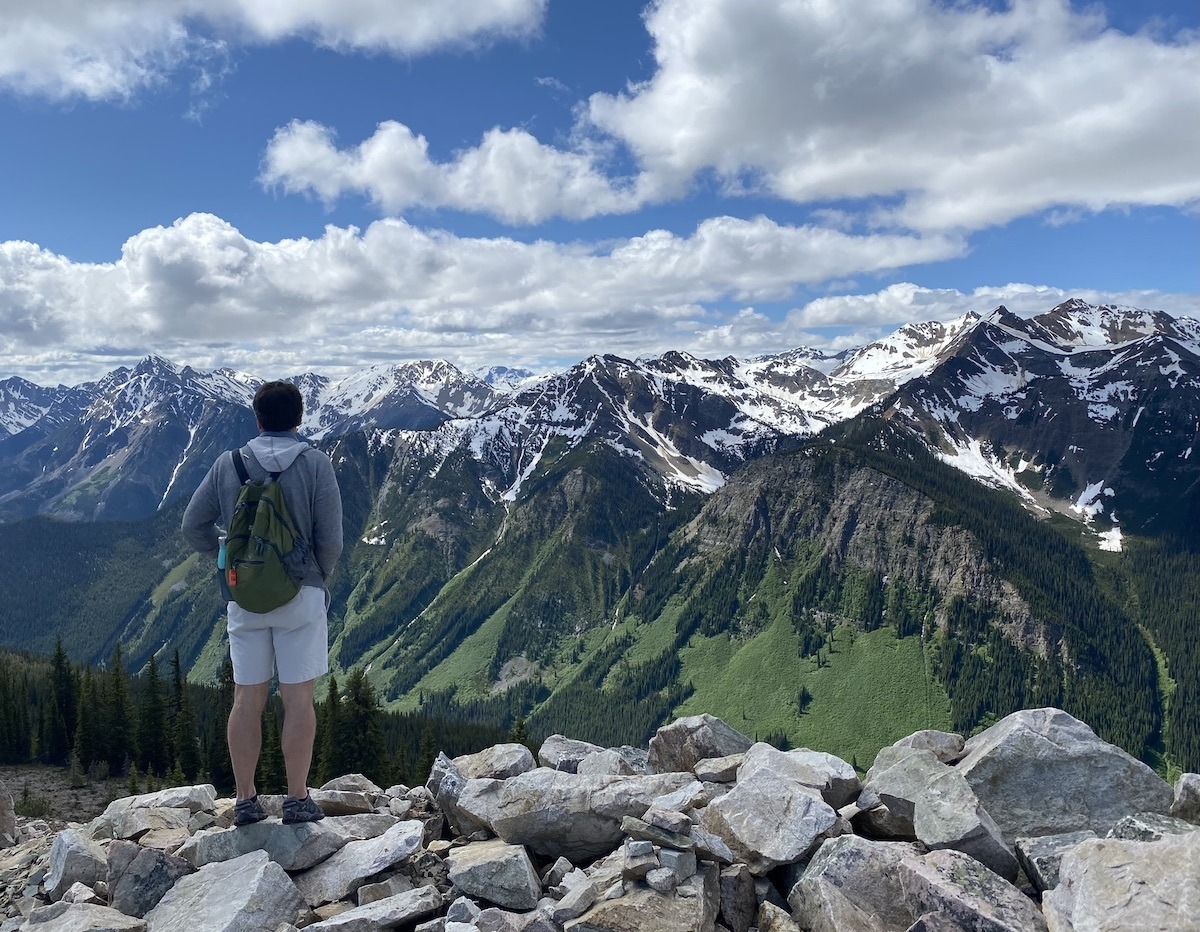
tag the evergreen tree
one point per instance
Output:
(220, 768)
(88, 746)
(117, 715)
(519, 733)
(152, 723)
(328, 725)
(62, 715)
(271, 776)
(358, 732)
(426, 755)
(184, 740)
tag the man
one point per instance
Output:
(294, 637)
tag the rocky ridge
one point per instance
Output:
(1034, 823)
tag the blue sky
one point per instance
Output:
(321, 185)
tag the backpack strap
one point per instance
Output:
(240, 465)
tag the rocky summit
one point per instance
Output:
(1033, 824)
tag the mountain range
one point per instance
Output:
(927, 516)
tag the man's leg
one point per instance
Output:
(299, 731)
(245, 734)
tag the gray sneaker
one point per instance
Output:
(301, 810)
(248, 811)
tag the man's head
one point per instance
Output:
(278, 406)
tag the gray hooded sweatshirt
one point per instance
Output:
(310, 490)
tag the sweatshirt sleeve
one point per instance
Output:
(327, 517)
(203, 512)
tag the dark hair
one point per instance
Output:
(278, 406)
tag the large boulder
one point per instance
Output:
(692, 908)
(957, 887)
(446, 784)
(1108, 883)
(1041, 858)
(830, 776)
(293, 847)
(933, 803)
(497, 872)
(561, 753)
(392, 912)
(945, 745)
(498, 762)
(248, 894)
(74, 858)
(853, 883)
(561, 814)
(768, 821)
(1186, 804)
(138, 878)
(81, 917)
(675, 748)
(1044, 772)
(350, 867)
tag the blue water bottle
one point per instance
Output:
(221, 574)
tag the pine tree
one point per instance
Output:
(220, 767)
(271, 776)
(426, 755)
(87, 745)
(118, 715)
(328, 725)
(359, 734)
(519, 733)
(62, 715)
(152, 723)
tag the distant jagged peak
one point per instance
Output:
(1078, 324)
(909, 352)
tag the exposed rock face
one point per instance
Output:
(138, 877)
(853, 883)
(933, 803)
(678, 746)
(74, 859)
(254, 894)
(1107, 883)
(957, 887)
(1044, 772)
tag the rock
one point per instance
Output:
(668, 820)
(662, 879)
(958, 887)
(636, 828)
(711, 847)
(563, 814)
(389, 913)
(342, 802)
(693, 908)
(74, 859)
(497, 872)
(496, 763)
(354, 783)
(393, 886)
(82, 893)
(772, 918)
(1109, 883)
(945, 746)
(293, 847)
(739, 904)
(933, 803)
(247, 894)
(349, 868)
(639, 860)
(463, 910)
(830, 776)
(200, 798)
(8, 818)
(556, 872)
(682, 864)
(607, 763)
(694, 795)
(138, 878)
(1149, 826)
(133, 823)
(934, 922)
(1040, 857)
(1043, 772)
(768, 821)
(1186, 804)
(718, 769)
(560, 753)
(677, 747)
(358, 827)
(853, 883)
(446, 784)
(574, 904)
(81, 917)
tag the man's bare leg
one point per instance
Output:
(299, 732)
(244, 734)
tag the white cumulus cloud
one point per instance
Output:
(110, 49)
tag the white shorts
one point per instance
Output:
(294, 636)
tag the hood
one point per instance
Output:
(275, 452)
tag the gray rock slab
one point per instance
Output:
(559, 752)
(739, 903)
(136, 822)
(1150, 826)
(693, 795)
(693, 908)
(394, 885)
(772, 918)
(82, 893)
(768, 821)
(340, 875)
(831, 776)
(711, 847)
(607, 763)
(247, 894)
(678, 746)
(853, 883)
(74, 859)
(560, 814)
(498, 762)
(358, 827)
(81, 917)
(354, 783)
(1044, 772)
(445, 785)
(342, 802)
(497, 872)
(8, 817)
(390, 913)
(955, 885)
(1186, 802)
(644, 831)
(945, 745)
(293, 847)
(1040, 858)
(1110, 884)
(938, 803)
(138, 878)
(718, 769)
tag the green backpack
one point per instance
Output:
(263, 552)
